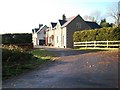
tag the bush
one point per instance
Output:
(102, 34)
(14, 57)
(13, 60)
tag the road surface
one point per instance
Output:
(72, 69)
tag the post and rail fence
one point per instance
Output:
(98, 44)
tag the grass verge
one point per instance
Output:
(98, 49)
(16, 62)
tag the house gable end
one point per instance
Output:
(79, 20)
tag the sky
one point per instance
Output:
(21, 16)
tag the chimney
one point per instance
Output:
(40, 25)
(64, 17)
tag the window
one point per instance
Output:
(57, 39)
(49, 39)
(78, 25)
(44, 32)
(63, 40)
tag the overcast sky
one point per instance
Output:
(21, 16)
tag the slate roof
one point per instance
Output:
(53, 24)
(69, 20)
(93, 25)
(42, 28)
(36, 29)
(62, 22)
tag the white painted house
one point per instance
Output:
(38, 35)
(60, 34)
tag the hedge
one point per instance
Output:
(102, 34)
(16, 38)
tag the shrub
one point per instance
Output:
(15, 57)
(13, 60)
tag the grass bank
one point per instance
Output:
(15, 62)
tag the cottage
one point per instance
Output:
(39, 34)
(60, 34)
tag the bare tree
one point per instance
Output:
(86, 17)
(114, 13)
(119, 13)
(95, 17)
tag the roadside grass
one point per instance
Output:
(89, 49)
(17, 62)
(97, 49)
(43, 54)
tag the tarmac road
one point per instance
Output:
(72, 69)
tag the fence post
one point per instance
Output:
(107, 43)
(94, 44)
(86, 44)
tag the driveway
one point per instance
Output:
(72, 69)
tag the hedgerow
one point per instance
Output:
(19, 40)
(16, 38)
(102, 34)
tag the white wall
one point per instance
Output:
(35, 39)
(61, 34)
(64, 33)
(50, 33)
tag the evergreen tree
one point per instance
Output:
(103, 23)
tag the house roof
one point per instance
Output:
(36, 29)
(68, 21)
(93, 25)
(53, 24)
(42, 28)
(62, 22)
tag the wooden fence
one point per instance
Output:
(98, 44)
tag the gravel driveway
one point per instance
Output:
(72, 69)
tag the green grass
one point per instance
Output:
(90, 49)
(43, 54)
(13, 65)
(98, 49)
